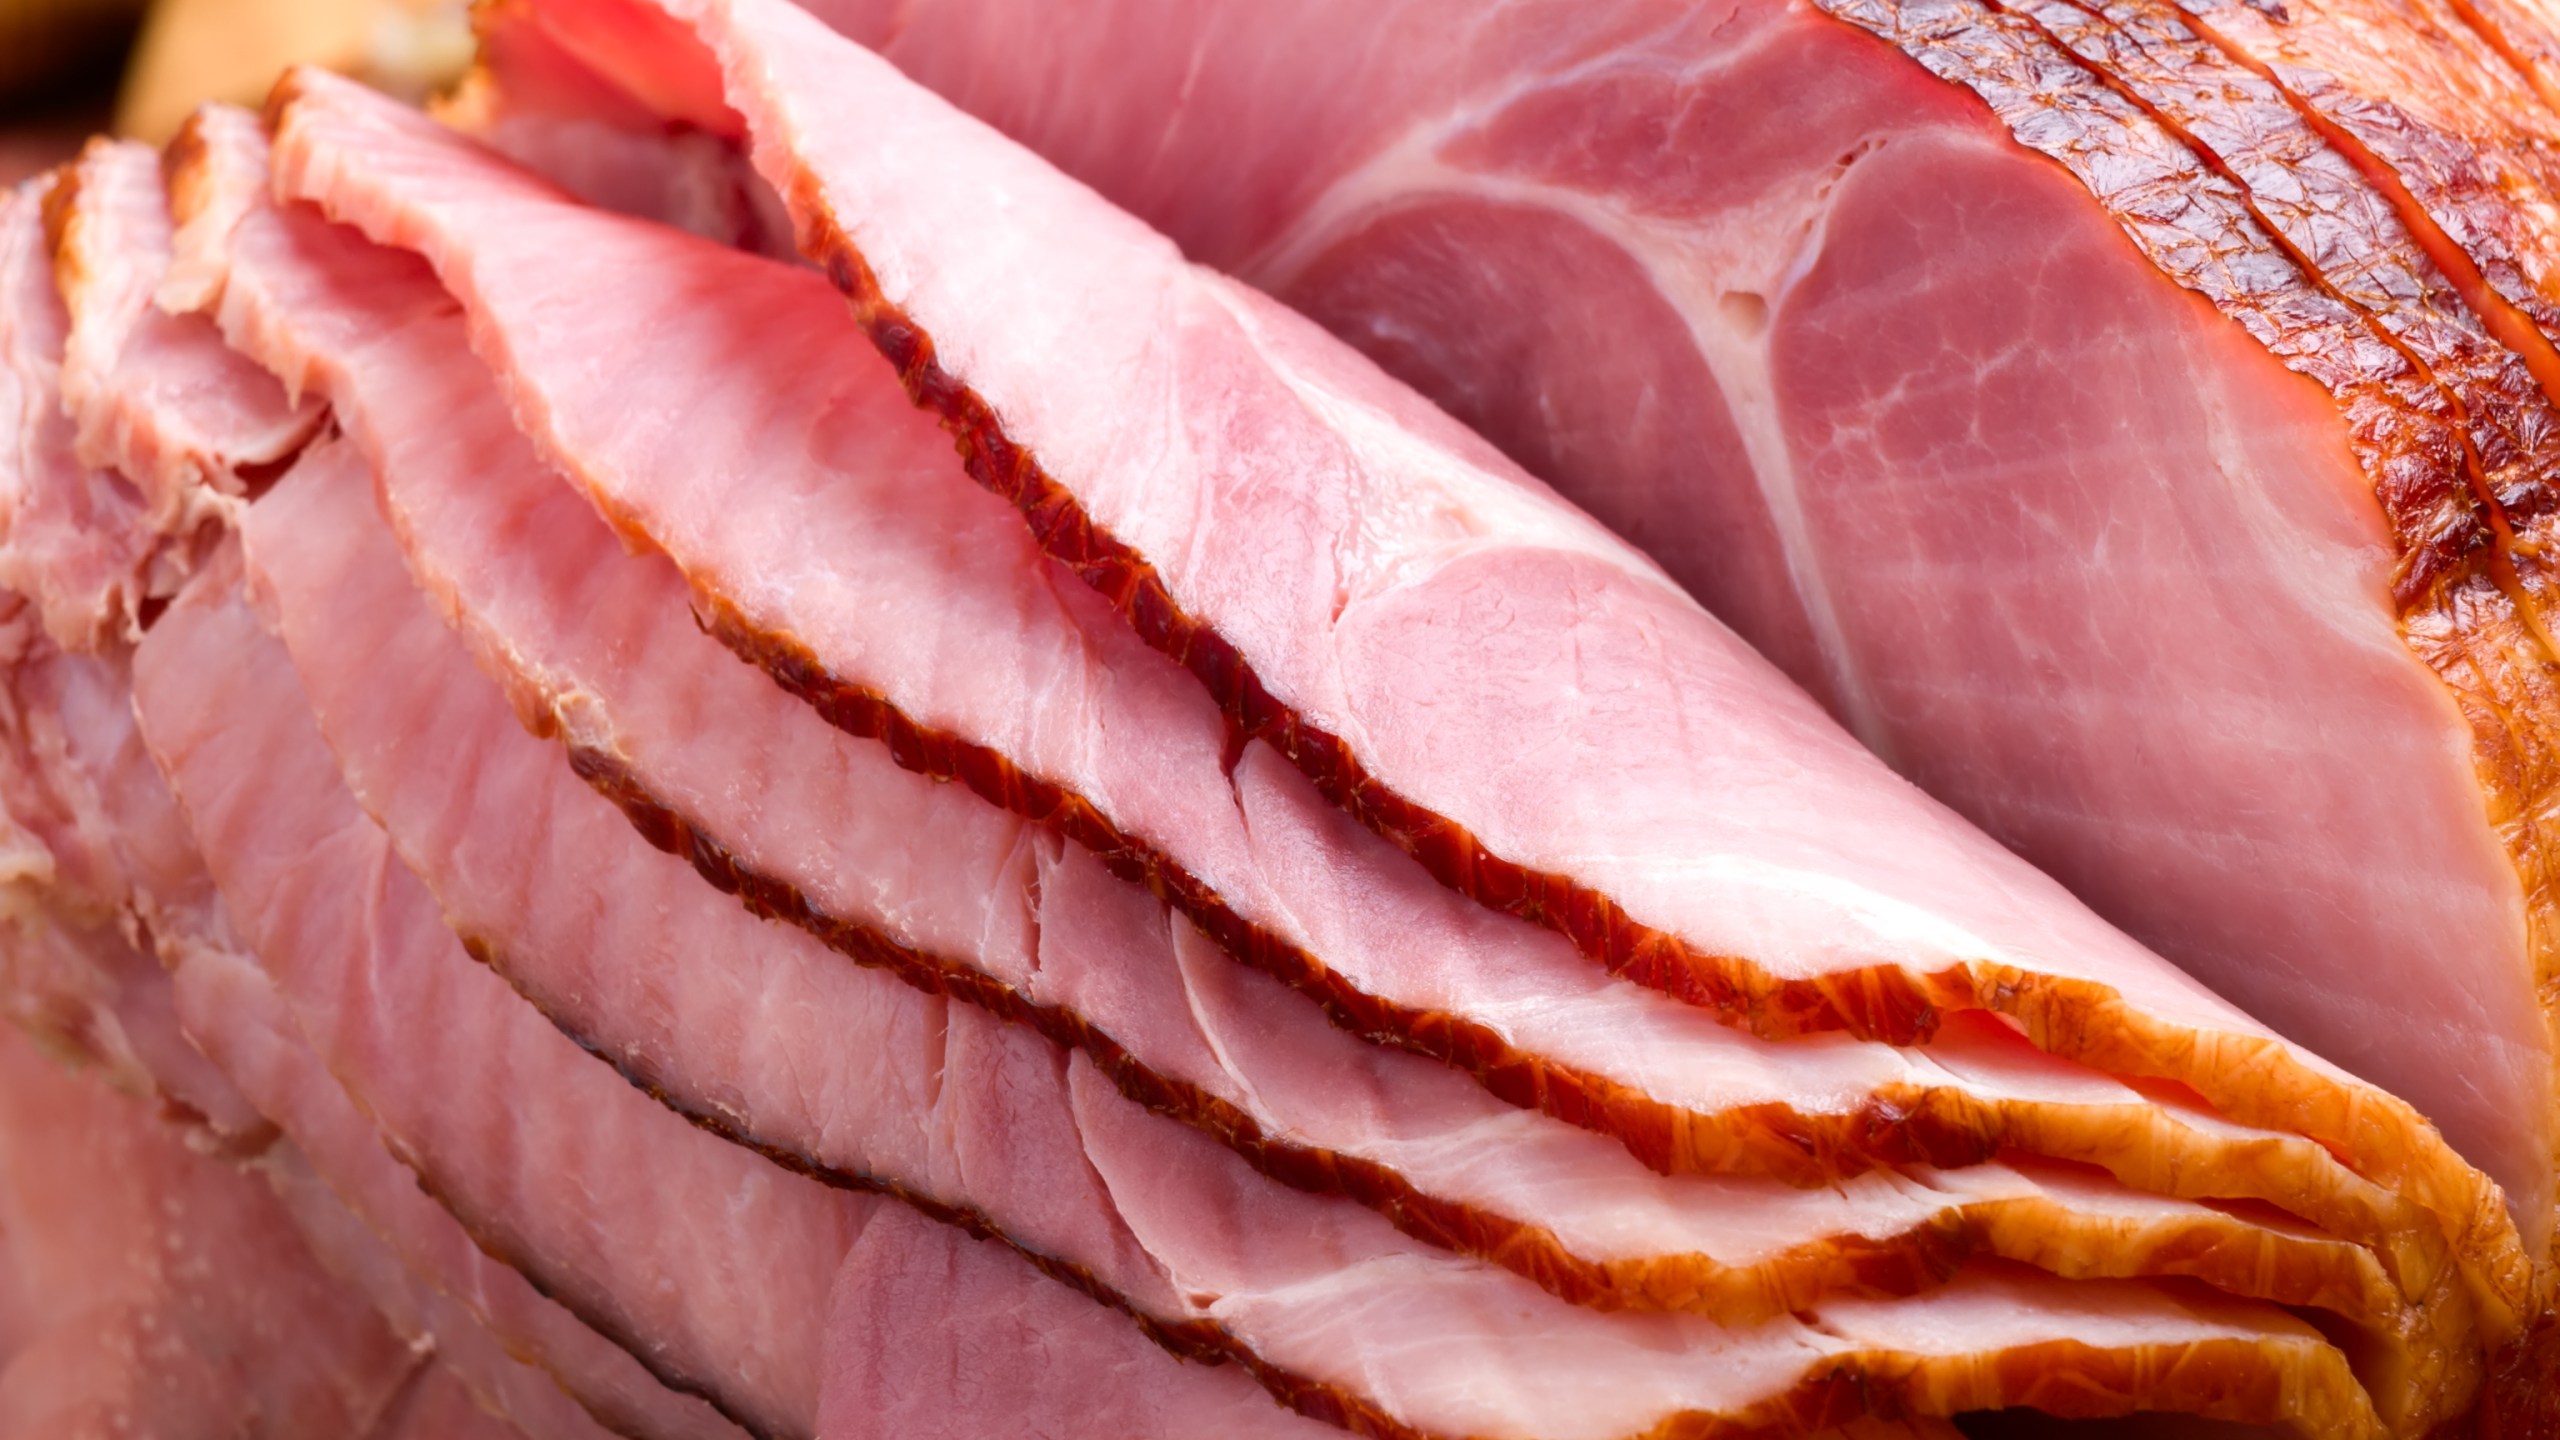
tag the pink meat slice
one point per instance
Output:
(949, 573)
(932, 1335)
(1432, 607)
(501, 1395)
(701, 1258)
(155, 396)
(605, 649)
(167, 1292)
(108, 892)
(483, 1313)
(1584, 237)
(250, 1027)
(74, 540)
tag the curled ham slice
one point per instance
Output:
(74, 540)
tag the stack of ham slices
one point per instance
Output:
(704, 754)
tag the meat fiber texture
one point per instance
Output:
(322, 554)
(1314, 544)
(2259, 419)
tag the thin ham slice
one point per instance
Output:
(603, 648)
(433, 199)
(155, 396)
(165, 1292)
(700, 1258)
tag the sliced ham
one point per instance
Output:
(699, 1257)
(1263, 810)
(165, 1291)
(891, 869)
(1665, 260)
(155, 396)
(1186, 531)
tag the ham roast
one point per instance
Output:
(654, 898)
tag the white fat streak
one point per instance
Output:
(1693, 268)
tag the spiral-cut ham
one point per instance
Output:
(395, 203)
(1664, 257)
(892, 870)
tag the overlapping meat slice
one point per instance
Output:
(698, 1257)
(1277, 852)
(164, 1292)
(425, 1271)
(892, 870)
(155, 396)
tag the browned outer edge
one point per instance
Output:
(1902, 1264)
(2078, 1019)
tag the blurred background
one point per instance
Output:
(71, 68)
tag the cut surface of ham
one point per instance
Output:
(2318, 1100)
(2237, 404)
(604, 648)
(165, 1292)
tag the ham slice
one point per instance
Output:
(164, 1292)
(604, 650)
(157, 397)
(425, 203)
(1587, 237)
